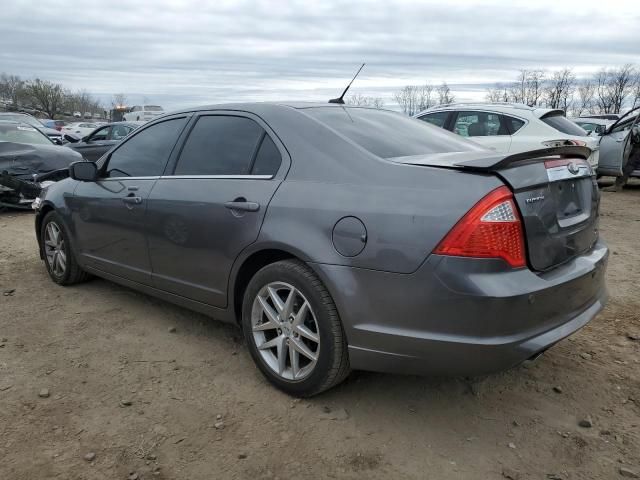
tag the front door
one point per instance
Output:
(210, 205)
(108, 216)
(615, 145)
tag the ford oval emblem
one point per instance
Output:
(573, 168)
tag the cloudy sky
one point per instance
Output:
(183, 52)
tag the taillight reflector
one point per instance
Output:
(491, 229)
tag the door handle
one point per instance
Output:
(132, 200)
(242, 205)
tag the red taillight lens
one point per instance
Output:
(491, 229)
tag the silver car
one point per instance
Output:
(339, 238)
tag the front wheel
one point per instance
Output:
(58, 255)
(293, 329)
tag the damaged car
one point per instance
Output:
(29, 161)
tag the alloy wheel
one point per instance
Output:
(54, 249)
(285, 331)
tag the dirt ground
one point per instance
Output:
(151, 402)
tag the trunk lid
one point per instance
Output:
(555, 190)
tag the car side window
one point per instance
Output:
(118, 132)
(268, 159)
(219, 145)
(146, 153)
(100, 135)
(437, 118)
(478, 124)
(515, 124)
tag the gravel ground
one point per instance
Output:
(100, 382)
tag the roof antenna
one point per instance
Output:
(340, 99)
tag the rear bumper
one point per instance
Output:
(460, 316)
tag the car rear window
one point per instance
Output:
(563, 124)
(389, 134)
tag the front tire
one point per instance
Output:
(58, 254)
(293, 330)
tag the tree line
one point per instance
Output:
(50, 98)
(610, 90)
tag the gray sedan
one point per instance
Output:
(339, 238)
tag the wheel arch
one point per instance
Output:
(250, 263)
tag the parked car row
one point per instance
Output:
(512, 128)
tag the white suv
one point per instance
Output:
(143, 113)
(511, 127)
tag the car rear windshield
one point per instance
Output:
(153, 108)
(563, 124)
(389, 134)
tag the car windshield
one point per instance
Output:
(153, 108)
(563, 124)
(389, 134)
(22, 134)
(22, 119)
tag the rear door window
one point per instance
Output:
(268, 158)
(478, 124)
(439, 119)
(514, 124)
(220, 145)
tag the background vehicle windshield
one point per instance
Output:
(564, 125)
(389, 134)
(22, 119)
(22, 134)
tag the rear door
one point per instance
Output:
(211, 202)
(486, 128)
(615, 145)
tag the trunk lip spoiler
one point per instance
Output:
(491, 161)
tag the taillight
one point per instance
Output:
(491, 229)
(565, 143)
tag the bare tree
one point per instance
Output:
(558, 90)
(635, 93)
(586, 93)
(534, 83)
(48, 96)
(499, 93)
(621, 82)
(444, 94)
(414, 98)
(360, 100)
(12, 88)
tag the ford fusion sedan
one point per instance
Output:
(339, 238)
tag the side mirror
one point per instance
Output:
(83, 171)
(85, 139)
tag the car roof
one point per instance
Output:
(270, 107)
(501, 107)
(598, 121)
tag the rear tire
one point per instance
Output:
(287, 313)
(59, 257)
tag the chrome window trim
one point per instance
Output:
(128, 178)
(227, 177)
